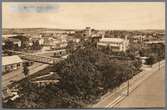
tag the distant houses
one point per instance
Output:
(51, 39)
(19, 42)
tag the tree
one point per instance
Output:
(36, 45)
(150, 60)
(79, 75)
(25, 69)
(8, 45)
(71, 46)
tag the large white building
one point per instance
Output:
(115, 44)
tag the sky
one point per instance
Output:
(118, 15)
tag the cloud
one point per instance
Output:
(33, 8)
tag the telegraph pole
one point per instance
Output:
(128, 88)
(159, 60)
(127, 76)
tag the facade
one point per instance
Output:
(39, 40)
(11, 63)
(36, 38)
(149, 44)
(88, 31)
(115, 44)
(58, 45)
(137, 38)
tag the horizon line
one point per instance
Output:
(78, 28)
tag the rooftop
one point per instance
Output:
(13, 39)
(154, 42)
(9, 35)
(7, 60)
(111, 40)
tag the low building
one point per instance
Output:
(50, 41)
(11, 63)
(153, 43)
(115, 44)
(14, 41)
(37, 38)
(137, 38)
(9, 35)
(58, 45)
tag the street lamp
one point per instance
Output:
(128, 84)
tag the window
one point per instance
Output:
(10, 67)
(18, 64)
(15, 66)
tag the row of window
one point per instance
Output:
(12, 67)
(118, 43)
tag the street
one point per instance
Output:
(144, 80)
(18, 75)
(150, 93)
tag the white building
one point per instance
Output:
(116, 44)
(35, 38)
(11, 63)
(138, 38)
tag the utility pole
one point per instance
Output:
(158, 52)
(127, 76)
(25, 69)
(160, 59)
(128, 88)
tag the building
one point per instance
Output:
(58, 45)
(14, 41)
(87, 31)
(97, 36)
(137, 38)
(150, 44)
(11, 63)
(115, 44)
(24, 38)
(9, 35)
(38, 38)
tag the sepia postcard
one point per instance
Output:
(83, 55)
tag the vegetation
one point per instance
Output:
(25, 69)
(85, 76)
(154, 52)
